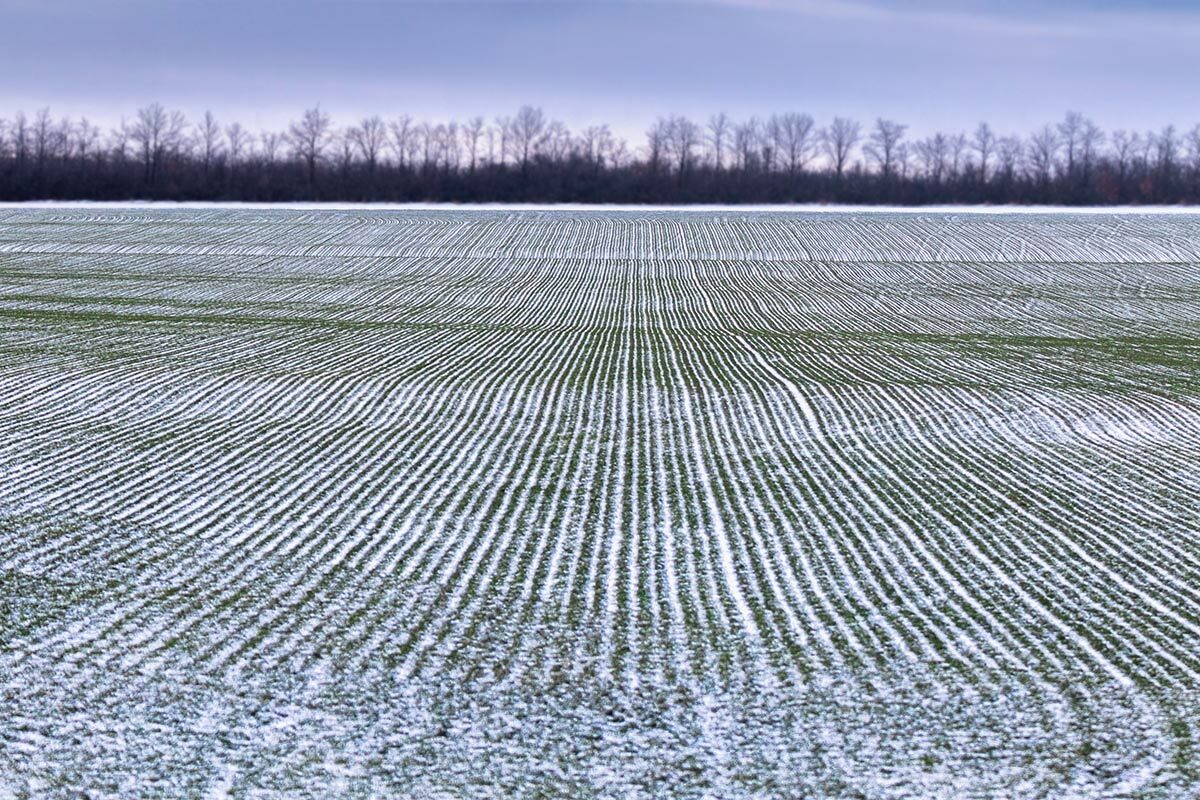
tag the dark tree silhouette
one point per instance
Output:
(309, 138)
(839, 140)
(782, 158)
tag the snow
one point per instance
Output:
(799, 208)
(476, 503)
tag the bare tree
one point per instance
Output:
(884, 139)
(1008, 154)
(402, 135)
(491, 136)
(239, 143)
(1124, 149)
(271, 142)
(839, 140)
(449, 146)
(20, 139)
(527, 127)
(344, 147)
(956, 146)
(504, 132)
(1044, 145)
(309, 137)
(902, 160)
(718, 136)
(619, 156)
(1193, 153)
(50, 141)
(1144, 156)
(208, 137)
(1166, 156)
(1091, 139)
(118, 140)
(157, 132)
(794, 140)
(768, 142)
(472, 133)
(683, 136)
(427, 135)
(983, 143)
(745, 138)
(595, 143)
(1166, 149)
(933, 152)
(369, 137)
(343, 150)
(43, 139)
(555, 143)
(87, 140)
(658, 139)
(1069, 133)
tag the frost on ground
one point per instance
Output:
(515, 503)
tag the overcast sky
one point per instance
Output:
(929, 64)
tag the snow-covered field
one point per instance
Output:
(451, 503)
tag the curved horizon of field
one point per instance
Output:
(446, 503)
(1008, 209)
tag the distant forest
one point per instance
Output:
(158, 154)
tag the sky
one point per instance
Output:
(932, 65)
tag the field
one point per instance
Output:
(499, 503)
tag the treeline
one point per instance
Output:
(785, 158)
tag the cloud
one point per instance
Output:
(1023, 23)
